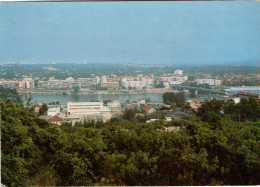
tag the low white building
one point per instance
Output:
(86, 108)
(168, 118)
(114, 104)
(141, 102)
(89, 110)
(53, 111)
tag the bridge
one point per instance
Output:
(213, 91)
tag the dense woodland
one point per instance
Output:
(217, 146)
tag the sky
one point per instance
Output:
(181, 33)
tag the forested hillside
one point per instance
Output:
(211, 148)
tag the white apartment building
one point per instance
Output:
(211, 82)
(27, 82)
(9, 83)
(135, 83)
(69, 83)
(167, 81)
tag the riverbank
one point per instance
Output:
(98, 92)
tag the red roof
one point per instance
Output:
(55, 118)
(248, 94)
(146, 108)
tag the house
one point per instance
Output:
(132, 107)
(146, 109)
(56, 120)
(246, 95)
(172, 128)
(190, 104)
(168, 118)
(37, 108)
(114, 104)
(151, 120)
(194, 103)
(141, 102)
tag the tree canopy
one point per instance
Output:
(123, 152)
(171, 98)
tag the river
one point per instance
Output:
(156, 97)
(63, 99)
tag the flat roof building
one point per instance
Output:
(87, 108)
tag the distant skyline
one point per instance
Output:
(174, 33)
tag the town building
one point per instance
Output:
(27, 83)
(9, 83)
(141, 101)
(148, 110)
(114, 104)
(178, 72)
(211, 82)
(137, 82)
(89, 111)
(56, 120)
(170, 80)
(53, 111)
(86, 108)
(247, 95)
(109, 83)
(194, 103)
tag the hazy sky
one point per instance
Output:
(131, 32)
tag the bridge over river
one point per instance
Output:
(213, 91)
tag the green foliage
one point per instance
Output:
(211, 111)
(106, 101)
(171, 98)
(245, 110)
(43, 109)
(214, 110)
(75, 90)
(121, 152)
(8, 93)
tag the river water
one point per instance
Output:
(63, 99)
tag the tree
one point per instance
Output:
(211, 111)
(106, 101)
(160, 85)
(43, 109)
(126, 152)
(180, 99)
(174, 99)
(129, 114)
(75, 90)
